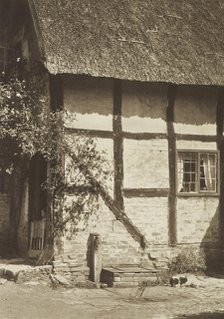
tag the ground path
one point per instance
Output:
(37, 301)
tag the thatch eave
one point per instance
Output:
(174, 41)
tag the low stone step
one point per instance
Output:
(118, 276)
(135, 278)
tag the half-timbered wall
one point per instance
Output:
(195, 113)
(91, 102)
(142, 126)
(145, 160)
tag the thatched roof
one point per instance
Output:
(179, 41)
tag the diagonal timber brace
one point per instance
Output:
(111, 204)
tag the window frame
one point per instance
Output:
(199, 193)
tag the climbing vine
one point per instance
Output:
(28, 128)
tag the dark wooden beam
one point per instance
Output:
(118, 144)
(172, 165)
(56, 104)
(110, 134)
(145, 192)
(141, 136)
(220, 146)
(92, 133)
(195, 137)
(119, 213)
(144, 136)
(56, 92)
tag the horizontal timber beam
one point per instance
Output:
(141, 136)
(91, 133)
(145, 192)
(144, 136)
(196, 137)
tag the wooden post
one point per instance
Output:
(220, 147)
(96, 257)
(172, 166)
(118, 145)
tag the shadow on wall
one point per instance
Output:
(203, 315)
(144, 100)
(88, 95)
(211, 245)
(195, 105)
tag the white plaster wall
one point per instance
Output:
(144, 107)
(89, 101)
(146, 164)
(196, 145)
(195, 110)
(197, 219)
(117, 245)
(150, 215)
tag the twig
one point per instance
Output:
(130, 41)
(174, 16)
(170, 16)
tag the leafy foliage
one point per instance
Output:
(28, 128)
(189, 260)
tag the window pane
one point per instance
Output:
(208, 172)
(188, 168)
(187, 171)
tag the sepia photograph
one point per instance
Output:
(111, 159)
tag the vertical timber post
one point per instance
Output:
(172, 223)
(56, 104)
(118, 144)
(220, 147)
(95, 258)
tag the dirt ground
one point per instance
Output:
(37, 301)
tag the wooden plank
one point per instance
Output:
(117, 269)
(172, 165)
(91, 133)
(134, 270)
(144, 136)
(118, 145)
(136, 279)
(112, 270)
(195, 137)
(141, 274)
(145, 192)
(220, 146)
